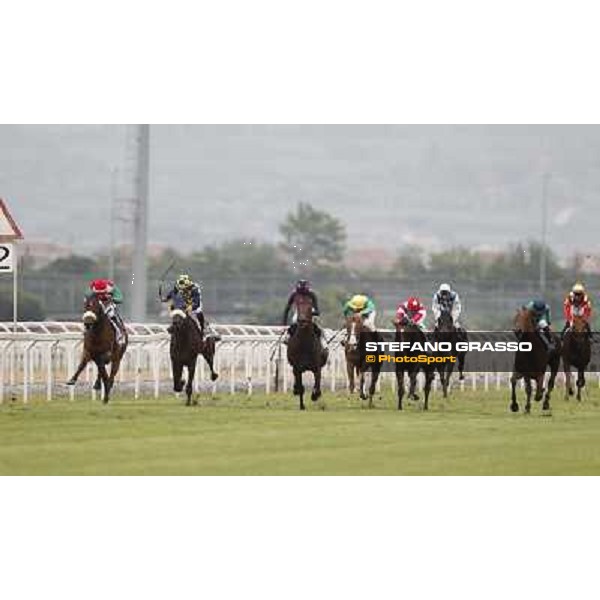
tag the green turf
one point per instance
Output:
(472, 433)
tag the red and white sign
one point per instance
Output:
(9, 230)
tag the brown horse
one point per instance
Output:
(305, 353)
(407, 331)
(100, 346)
(355, 366)
(445, 331)
(186, 344)
(532, 366)
(576, 352)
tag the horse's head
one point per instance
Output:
(178, 319)
(354, 327)
(445, 322)
(305, 315)
(93, 311)
(579, 324)
(524, 321)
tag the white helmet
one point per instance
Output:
(445, 287)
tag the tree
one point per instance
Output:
(410, 262)
(30, 307)
(313, 238)
(72, 265)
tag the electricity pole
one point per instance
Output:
(543, 257)
(140, 221)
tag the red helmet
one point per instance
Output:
(413, 304)
(102, 286)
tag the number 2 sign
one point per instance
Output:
(6, 258)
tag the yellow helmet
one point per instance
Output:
(184, 282)
(578, 288)
(358, 302)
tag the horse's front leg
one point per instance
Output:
(445, 377)
(461, 365)
(350, 373)
(580, 382)
(551, 381)
(85, 359)
(373, 387)
(101, 364)
(178, 382)
(189, 388)
(208, 352)
(568, 381)
(115, 365)
(514, 405)
(361, 385)
(298, 387)
(429, 375)
(316, 394)
(400, 386)
(412, 393)
(528, 392)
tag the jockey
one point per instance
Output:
(446, 299)
(365, 307)
(110, 296)
(301, 296)
(414, 311)
(577, 304)
(189, 293)
(541, 313)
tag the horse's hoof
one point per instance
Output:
(71, 382)
(214, 377)
(527, 410)
(514, 408)
(303, 407)
(462, 377)
(97, 387)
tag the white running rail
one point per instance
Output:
(40, 357)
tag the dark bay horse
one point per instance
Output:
(100, 346)
(407, 331)
(186, 344)
(577, 353)
(305, 353)
(446, 332)
(356, 366)
(532, 366)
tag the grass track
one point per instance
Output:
(473, 433)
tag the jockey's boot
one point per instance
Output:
(119, 337)
(288, 334)
(320, 336)
(196, 320)
(211, 333)
(564, 330)
(546, 336)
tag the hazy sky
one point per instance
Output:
(438, 185)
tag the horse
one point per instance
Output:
(576, 352)
(186, 344)
(408, 332)
(357, 365)
(305, 353)
(532, 366)
(100, 346)
(447, 332)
